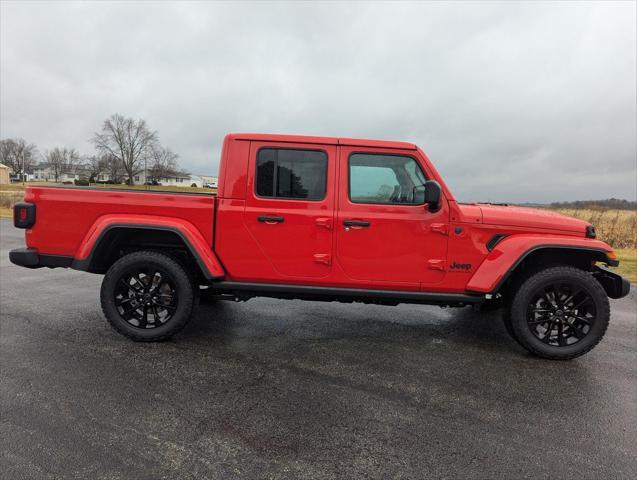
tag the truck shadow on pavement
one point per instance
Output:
(301, 373)
(228, 321)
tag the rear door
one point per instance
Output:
(290, 207)
(384, 231)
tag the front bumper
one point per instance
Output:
(615, 285)
(31, 258)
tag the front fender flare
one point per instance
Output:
(510, 252)
(206, 259)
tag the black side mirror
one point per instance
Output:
(433, 192)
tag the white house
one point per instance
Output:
(44, 173)
(204, 181)
(209, 180)
(180, 179)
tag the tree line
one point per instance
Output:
(607, 204)
(124, 147)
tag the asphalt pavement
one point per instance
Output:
(291, 389)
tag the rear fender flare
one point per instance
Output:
(500, 263)
(206, 259)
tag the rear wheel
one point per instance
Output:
(559, 313)
(147, 296)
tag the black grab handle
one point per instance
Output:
(356, 223)
(267, 219)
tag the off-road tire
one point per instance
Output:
(506, 319)
(184, 286)
(565, 276)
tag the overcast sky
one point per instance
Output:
(513, 102)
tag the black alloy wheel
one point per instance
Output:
(559, 313)
(148, 296)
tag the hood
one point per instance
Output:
(531, 218)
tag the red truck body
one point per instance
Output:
(242, 240)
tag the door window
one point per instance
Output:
(291, 174)
(385, 179)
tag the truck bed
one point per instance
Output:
(65, 215)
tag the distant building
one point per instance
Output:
(209, 180)
(43, 172)
(179, 179)
(4, 174)
(206, 181)
(182, 179)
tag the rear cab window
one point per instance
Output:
(292, 174)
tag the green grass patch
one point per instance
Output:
(627, 263)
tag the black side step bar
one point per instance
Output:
(343, 294)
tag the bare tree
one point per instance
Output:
(96, 165)
(62, 160)
(18, 155)
(7, 152)
(114, 168)
(164, 163)
(128, 140)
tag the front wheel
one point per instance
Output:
(559, 313)
(147, 296)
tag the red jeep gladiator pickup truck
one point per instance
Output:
(321, 218)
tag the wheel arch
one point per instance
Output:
(546, 256)
(109, 240)
(516, 258)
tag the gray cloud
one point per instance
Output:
(512, 102)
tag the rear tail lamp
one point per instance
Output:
(24, 215)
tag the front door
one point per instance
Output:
(384, 231)
(290, 208)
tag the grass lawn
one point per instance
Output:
(18, 187)
(6, 212)
(627, 263)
